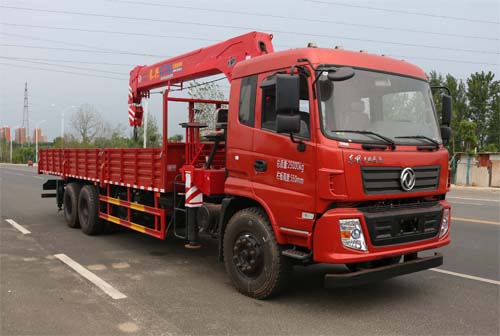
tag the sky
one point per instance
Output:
(40, 45)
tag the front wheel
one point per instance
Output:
(252, 256)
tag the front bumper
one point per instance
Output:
(382, 273)
(328, 247)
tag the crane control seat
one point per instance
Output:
(219, 133)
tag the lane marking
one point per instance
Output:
(457, 202)
(29, 173)
(466, 276)
(103, 285)
(120, 265)
(17, 226)
(475, 199)
(471, 220)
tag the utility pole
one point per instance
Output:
(26, 117)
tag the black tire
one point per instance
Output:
(88, 213)
(70, 201)
(249, 236)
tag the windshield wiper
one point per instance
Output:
(434, 142)
(387, 140)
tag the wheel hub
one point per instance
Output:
(247, 254)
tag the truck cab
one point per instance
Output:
(362, 176)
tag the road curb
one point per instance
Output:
(461, 187)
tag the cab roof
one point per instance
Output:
(317, 56)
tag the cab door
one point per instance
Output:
(284, 178)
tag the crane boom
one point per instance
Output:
(208, 61)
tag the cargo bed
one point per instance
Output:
(140, 168)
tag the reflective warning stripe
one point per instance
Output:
(131, 205)
(130, 225)
(194, 197)
(138, 207)
(113, 201)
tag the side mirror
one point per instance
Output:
(446, 110)
(445, 134)
(288, 123)
(341, 74)
(287, 93)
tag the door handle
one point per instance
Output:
(260, 165)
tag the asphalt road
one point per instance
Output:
(171, 290)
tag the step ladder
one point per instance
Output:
(179, 216)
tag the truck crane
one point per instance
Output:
(319, 156)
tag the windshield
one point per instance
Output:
(389, 105)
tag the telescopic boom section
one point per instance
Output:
(208, 61)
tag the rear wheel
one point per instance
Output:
(70, 201)
(88, 211)
(252, 256)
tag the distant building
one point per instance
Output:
(5, 133)
(41, 137)
(482, 170)
(21, 135)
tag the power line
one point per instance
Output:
(64, 66)
(69, 61)
(122, 33)
(109, 32)
(192, 38)
(336, 3)
(245, 28)
(201, 84)
(69, 49)
(98, 51)
(442, 60)
(315, 20)
(193, 86)
(61, 71)
(78, 45)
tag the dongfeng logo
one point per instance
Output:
(407, 179)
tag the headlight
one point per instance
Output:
(445, 223)
(352, 234)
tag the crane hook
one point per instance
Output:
(135, 132)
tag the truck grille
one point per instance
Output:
(386, 180)
(403, 225)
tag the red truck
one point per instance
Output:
(319, 156)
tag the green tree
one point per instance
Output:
(69, 141)
(87, 123)
(206, 112)
(482, 92)
(175, 138)
(436, 79)
(460, 108)
(22, 154)
(4, 150)
(468, 132)
(493, 130)
(114, 139)
(153, 136)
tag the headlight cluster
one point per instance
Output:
(445, 223)
(352, 234)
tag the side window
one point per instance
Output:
(246, 113)
(269, 108)
(304, 109)
(268, 114)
